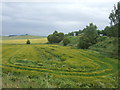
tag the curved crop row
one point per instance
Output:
(58, 60)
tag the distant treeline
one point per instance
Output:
(112, 30)
(17, 35)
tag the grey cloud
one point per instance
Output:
(44, 18)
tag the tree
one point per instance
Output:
(66, 41)
(88, 37)
(55, 37)
(100, 32)
(28, 41)
(59, 37)
(115, 15)
(71, 34)
(91, 32)
(55, 32)
(83, 42)
(75, 32)
(115, 26)
(115, 19)
(111, 31)
(50, 38)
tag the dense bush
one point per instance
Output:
(28, 42)
(66, 41)
(55, 37)
(84, 42)
(111, 31)
(50, 38)
(88, 37)
(101, 38)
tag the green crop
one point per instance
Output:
(55, 66)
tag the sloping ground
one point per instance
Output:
(107, 46)
(54, 66)
(20, 37)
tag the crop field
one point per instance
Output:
(55, 66)
(23, 41)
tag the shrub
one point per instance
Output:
(66, 41)
(83, 42)
(50, 38)
(102, 38)
(88, 37)
(28, 42)
(55, 37)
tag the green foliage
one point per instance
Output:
(70, 34)
(111, 31)
(66, 41)
(91, 32)
(101, 38)
(115, 15)
(55, 37)
(83, 42)
(107, 46)
(75, 32)
(101, 32)
(55, 32)
(73, 41)
(88, 37)
(115, 21)
(50, 38)
(28, 41)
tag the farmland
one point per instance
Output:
(41, 65)
(22, 41)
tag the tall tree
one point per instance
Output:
(88, 37)
(115, 18)
(115, 22)
(91, 32)
(114, 29)
(115, 15)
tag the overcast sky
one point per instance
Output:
(42, 18)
